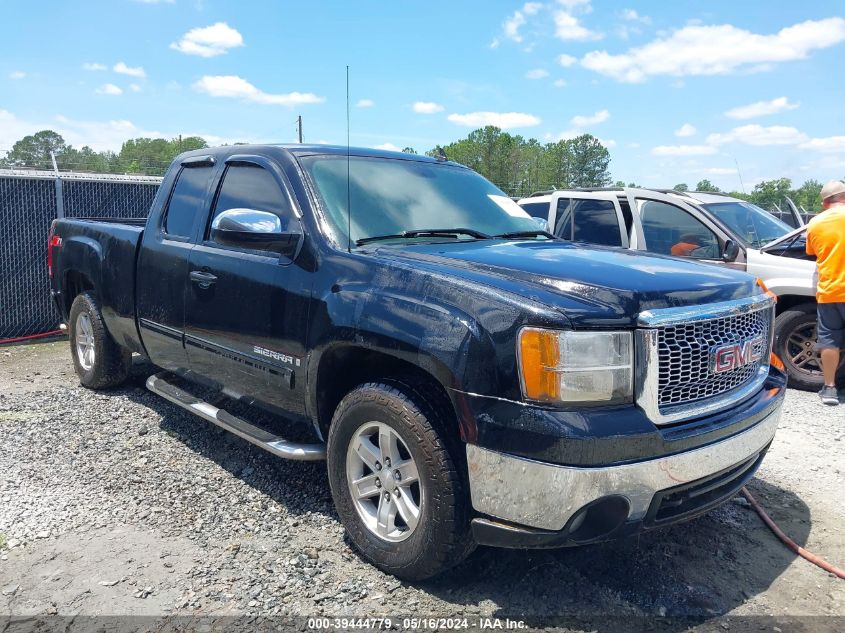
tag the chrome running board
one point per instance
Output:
(279, 446)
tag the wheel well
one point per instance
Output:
(790, 301)
(343, 369)
(75, 284)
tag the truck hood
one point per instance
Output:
(592, 286)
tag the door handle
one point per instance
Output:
(202, 278)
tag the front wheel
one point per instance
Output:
(396, 481)
(98, 360)
(795, 343)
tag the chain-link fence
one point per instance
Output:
(29, 202)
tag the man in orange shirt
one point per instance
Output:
(826, 240)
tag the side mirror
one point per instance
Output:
(542, 224)
(253, 229)
(731, 251)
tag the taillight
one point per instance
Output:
(55, 242)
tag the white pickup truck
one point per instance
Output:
(710, 227)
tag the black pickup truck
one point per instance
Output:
(489, 385)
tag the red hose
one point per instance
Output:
(20, 339)
(788, 541)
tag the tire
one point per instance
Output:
(441, 536)
(794, 341)
(98, 360)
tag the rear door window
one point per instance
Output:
(186, 201)
(591, 221)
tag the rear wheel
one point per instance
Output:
(396, 480)
(98, 360)
(796, 330)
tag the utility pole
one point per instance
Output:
(299, 127)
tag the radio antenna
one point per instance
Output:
(739, 173)
(348, 189)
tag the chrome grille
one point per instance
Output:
(685, 351)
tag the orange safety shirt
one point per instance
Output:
(826, 240)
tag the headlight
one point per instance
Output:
(578, 367)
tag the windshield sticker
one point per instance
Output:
(510, 207)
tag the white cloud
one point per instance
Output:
(683, 150)
(686, 130)
(99, 135)
(365, 103)
(566, 60)
(503, 120)
(569, 28)
(94, 66)
(718, 171)
(537, 73)
(607, 142)
(716, 50)
(123, 69)
(109, 89)
(759, 135)
(512, 25)
(135, 87)
(236, 87)
(584, 121)
(17, 74)
(209, 41)
(560, 83)
(390, 147)
(583, 5)
(427, 107)
(632, 16)
(761, 108)
(828, 145)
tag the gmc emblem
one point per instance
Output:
(730, 357)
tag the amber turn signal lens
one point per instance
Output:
(765, 288)
(777, 363)
(539, 355)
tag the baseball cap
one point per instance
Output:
(832, 188)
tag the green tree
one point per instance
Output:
(590, 161)
(34, 150)
(681, 187)
(706, 185)
(768, 193)
(807, 195)
(409, 150)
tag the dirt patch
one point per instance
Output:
(119, 503)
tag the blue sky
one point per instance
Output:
(679, 91)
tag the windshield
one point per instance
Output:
(392, 196)
(751, 223)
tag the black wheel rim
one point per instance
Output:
(800, 351)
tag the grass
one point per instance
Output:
(2, 541)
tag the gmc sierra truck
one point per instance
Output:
(469, 378)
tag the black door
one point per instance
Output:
(246, 309)
(163, 267)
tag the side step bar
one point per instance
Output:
(158, 384)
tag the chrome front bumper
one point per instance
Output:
(546, 496)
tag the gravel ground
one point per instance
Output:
(120, 503)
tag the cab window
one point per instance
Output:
(591, 221)
(247, 186)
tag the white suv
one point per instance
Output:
(713, 228)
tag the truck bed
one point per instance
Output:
(103, 255)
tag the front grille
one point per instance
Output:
(685, 354)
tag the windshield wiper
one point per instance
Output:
(424, 233)
(531, 233)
